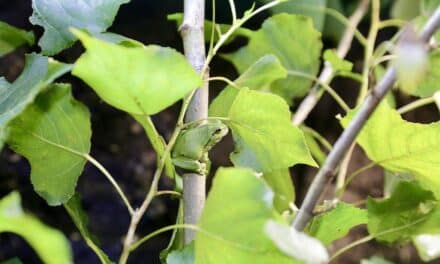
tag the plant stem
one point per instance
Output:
(349, 135)
(192, 30)
(162, 230)
(107, 174)
(416, 104)
(326, 75)
(373, 236)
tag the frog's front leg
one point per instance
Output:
(191, 165)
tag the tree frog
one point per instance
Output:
(191, 149)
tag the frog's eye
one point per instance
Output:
(218, 131)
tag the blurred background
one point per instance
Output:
(119, 143)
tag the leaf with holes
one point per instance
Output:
(264, 138)
(402, 146)
(296, 52)
(12, 38)
(58, 16)
(138, 85)
(53, 134)
(50, 244)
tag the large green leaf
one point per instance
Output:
(337, 223)
(281, 184)
(312, 8)
(57, 16)
(260, 75)
(407, 212)
(402, 146)
(142, 80)
(280, 36)
(264, 137)
(37, 74)
(50, 244)
(12, 37)
(236, 211)
(79, 217)
(53, 134)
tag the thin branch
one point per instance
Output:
(162, 230)
(416, 104)
(223, 79)
(325, 86)
(369, 49)
(327, 73)
(107, 174)
(373, 236)
(350, 133)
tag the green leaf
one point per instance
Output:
(50, 244)
(311, 8)
(183, 256)
(261, 74)
(402, 146)
(237, 199)
(429, 6)
(405, 9)
(296, 244)
(409, 206)
(281, 184)
(58, 16)
(296, 52)
(428, 246)
(337, 63)
(336, 223)
(136, 80)
(54, 135)
(264, 137)
(79, 217)
(12, 38)
(38, 73)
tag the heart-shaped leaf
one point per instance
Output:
(138, 80)
(232, 223)
(54, 135)
(265, 140)
(57, 16)
(402, 146)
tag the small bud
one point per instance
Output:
(411, 60)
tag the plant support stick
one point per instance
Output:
(194, 185)
(349, 135)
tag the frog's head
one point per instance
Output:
(217, 130)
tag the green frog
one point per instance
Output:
(191, 149)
